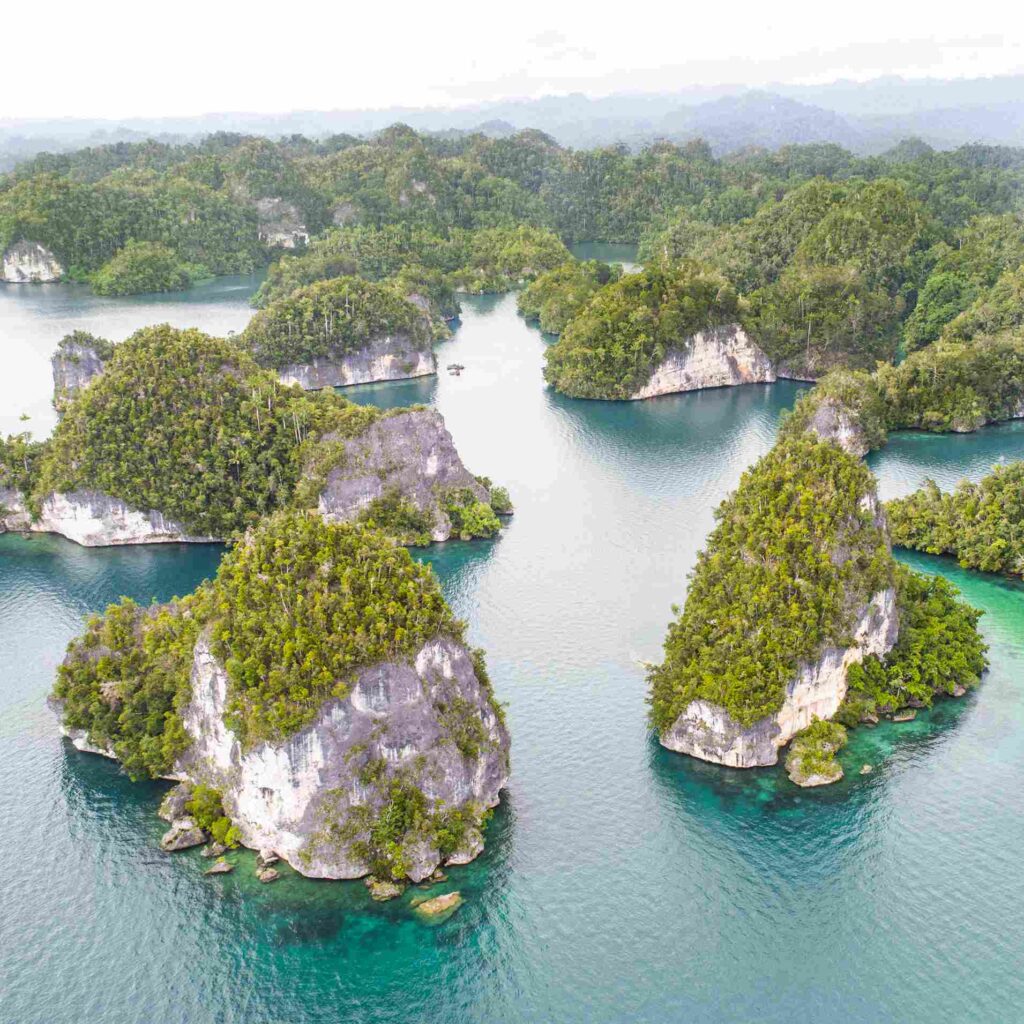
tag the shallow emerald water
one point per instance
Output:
(621, 882)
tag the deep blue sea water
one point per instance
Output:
(621, 882)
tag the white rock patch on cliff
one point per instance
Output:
(30, 263)
(709, 732)
(93, 519)
(280, 223)
(393, 357)
(293, 797)
(712, 358)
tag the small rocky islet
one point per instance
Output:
(799, 623)
(380, 753)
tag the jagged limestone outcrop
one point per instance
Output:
(844, 408)
(79, 359)
(27, 262)
(712, 358)
(318, 693)
(390, 357)
(303, 797)
(411, 454)
(817, 690)
(281, 223)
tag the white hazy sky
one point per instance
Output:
(117, 59)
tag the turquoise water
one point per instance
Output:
(33, 318)
(621, 882)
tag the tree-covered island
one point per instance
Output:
(797, 612)
(316, 652)
(181, 436)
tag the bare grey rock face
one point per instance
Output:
(300, 796)
(412, 453)
(835, 422)
(393, 357)
(281, 223)
(28, 262)
(173, 806)
(75, 364)
(708, 731)
(712, 358)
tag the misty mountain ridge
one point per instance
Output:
(865, 118)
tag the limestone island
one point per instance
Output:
(660, 331)
(342, 331)
(316, 701)
(797, 614)
(176, 436)
(948, 387)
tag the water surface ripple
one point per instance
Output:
(621, 882)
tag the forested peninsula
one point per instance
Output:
(980, 524)
(949, 386)
(175, 435)
(316, 701)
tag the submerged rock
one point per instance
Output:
(905, 715)
(383, 889)
(712, 358)
(450, 901)
(28, 262)
(813, 779)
